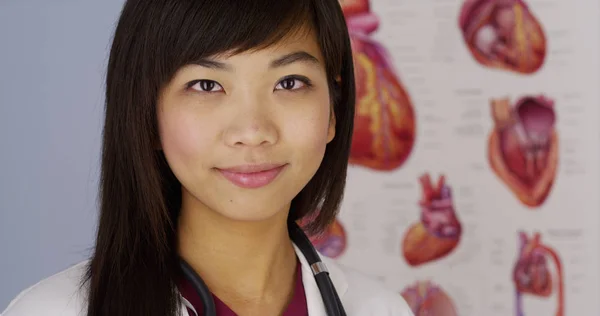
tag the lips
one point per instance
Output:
(252, 176)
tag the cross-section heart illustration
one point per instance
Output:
(384, 125)
(531, 274)
(439, 231)
(523, 146)
(503, 34)
(428, 299)
(332, 242)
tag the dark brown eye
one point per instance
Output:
(288, 84)
(293, 83)
(206, 86)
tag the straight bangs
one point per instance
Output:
(228, 27)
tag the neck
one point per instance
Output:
(249, 264)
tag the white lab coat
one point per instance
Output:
(59, 295)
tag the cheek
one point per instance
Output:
(309, 133)
(184, 138)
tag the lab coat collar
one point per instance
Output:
(314, 300)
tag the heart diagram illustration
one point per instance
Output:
(439, 231)
(523, 146)
(531, 274)
(503, 34)
(384, 124)
(332, 242)
(427, 299)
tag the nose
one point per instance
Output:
(252, 125)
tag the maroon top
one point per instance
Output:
(297, 306)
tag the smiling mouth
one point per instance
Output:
(252, 176)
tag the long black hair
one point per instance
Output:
(134, 264)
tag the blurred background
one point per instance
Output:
(52, 61)
(437, 206)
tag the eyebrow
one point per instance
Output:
(300, 56)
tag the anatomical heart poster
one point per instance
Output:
(473, 186)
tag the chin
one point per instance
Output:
(251, 207)
(250, 214)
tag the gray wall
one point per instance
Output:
(52, 64)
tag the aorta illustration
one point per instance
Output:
(384, 124)
(503, 34)
(523, 146)
(439, 231)
(531, 274)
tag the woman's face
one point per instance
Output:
(245, 133)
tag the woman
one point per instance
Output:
(226, 122)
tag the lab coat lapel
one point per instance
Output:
(314, 301)
(185, 305)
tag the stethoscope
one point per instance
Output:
(332, 302)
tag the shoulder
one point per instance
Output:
(59, 294)
(364, 295)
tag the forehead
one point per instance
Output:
(303, 39)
